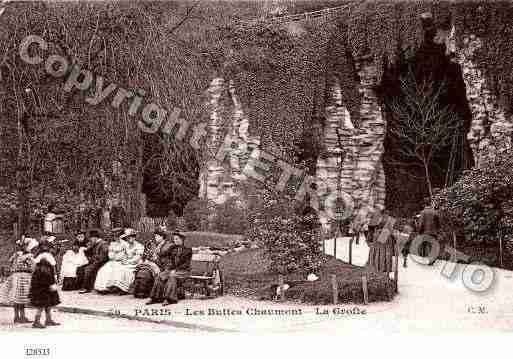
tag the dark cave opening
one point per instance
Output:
(406, 185)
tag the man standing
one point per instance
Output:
(178, 267)
(428, 225)
(99, 251)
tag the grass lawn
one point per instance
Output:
(211, 239)
(247, 274)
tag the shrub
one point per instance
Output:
(230, 218)
(289, 239)
(479, 205)
(197, 214)
(171, 220)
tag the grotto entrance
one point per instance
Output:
(406, 179)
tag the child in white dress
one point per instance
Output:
(71, 261)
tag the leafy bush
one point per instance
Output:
(197, 215)
(230, 218)
(289, 239)
(171, 220)
(479, 205)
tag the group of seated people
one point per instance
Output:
(125, 266)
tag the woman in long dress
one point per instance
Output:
(123, 277)
(117, 254)
(148, 269)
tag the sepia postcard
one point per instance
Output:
(257, 167)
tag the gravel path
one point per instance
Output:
(80, 323)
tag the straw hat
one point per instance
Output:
(129, 232)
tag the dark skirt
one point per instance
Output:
(69, 283)
(80, 276)
(40, 294)
(143, 283)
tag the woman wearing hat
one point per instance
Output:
(148, 269)
(117, 254)
(166, 287)
(123, 276)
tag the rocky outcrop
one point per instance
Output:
(360, 174)
(352, 159)
(228, 135)
(353, 152)
(491, 128)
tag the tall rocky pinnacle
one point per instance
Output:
(360, 173)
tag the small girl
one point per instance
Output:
(43, 288)
(72, 260)
(18, 284)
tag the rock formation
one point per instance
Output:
(353, 152)
(491, 129)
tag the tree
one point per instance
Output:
(419, 121)
(70, 147)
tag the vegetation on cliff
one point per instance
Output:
(283, 74)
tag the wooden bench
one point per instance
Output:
(206, 276)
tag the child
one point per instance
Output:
(405, 250)
(18, 285)
(43, 288)
(72, 260)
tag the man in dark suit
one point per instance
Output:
(177, 267)
(99, 255)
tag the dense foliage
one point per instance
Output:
(492, 22)
(165, 49)
(230, 217)
(479, 206)
(197, 214)
(283, 74)
(279, 75)
(289, 238)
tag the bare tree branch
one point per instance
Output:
(419, 122)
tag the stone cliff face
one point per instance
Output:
(229, 137)
(491, 128)
(360, 174)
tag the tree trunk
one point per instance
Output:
(139, 200)
(500, 250)
(428, 179)
(21, 185)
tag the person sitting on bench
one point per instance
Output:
(145, 273)
(99, 251)
(167, 283)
